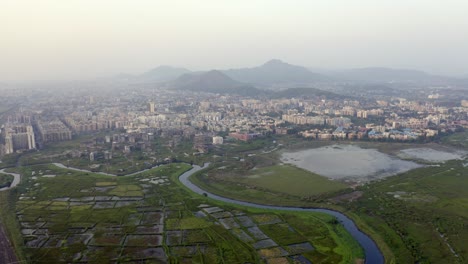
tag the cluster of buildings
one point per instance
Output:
(132, 121)
(52, 131)
(17, 137)
(371, 133)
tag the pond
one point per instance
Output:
(348, 162)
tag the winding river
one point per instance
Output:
(371, 251)
(16, 180)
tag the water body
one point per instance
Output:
(431, 155)
(371, 251)
(16, 180)
(348, 162)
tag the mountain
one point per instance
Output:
(213, 82)
(162, 74)
(278, 74)
(275, 72)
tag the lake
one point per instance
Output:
(431, 155)
(348, 162)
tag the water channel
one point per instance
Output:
(16, 180)
(371, 251)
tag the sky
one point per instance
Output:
(82, 39)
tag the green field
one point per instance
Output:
(459, 139)
(62, 212)
(5, 179)
(272, 184)
(291, 180)
(421, 215)
(418, 216)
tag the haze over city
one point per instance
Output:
(247, 131)
(64, 40)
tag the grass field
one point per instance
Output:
(459, 139)
(421, 214)
(291, 180)
(5, 179)
(272, 184)
(55, 213)
(10, 222)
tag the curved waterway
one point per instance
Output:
(371, 251)
(16, 180)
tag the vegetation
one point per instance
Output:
(277, 184)
(62, 212)
(420, 214)
(291, 180)
(459, 139)
(9, 221)
(5, 180)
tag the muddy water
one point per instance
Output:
(431, 155)
(348, 162)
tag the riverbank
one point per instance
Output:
(101, 203)
(372, 252)
(14, 183)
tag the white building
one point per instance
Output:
(217, 140)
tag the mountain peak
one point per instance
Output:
(213, 81)
(275, 62)
(273, 72)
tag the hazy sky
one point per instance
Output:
(74, 39)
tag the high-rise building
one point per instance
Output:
(151, 107)
(18, 137)
(53, 131)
